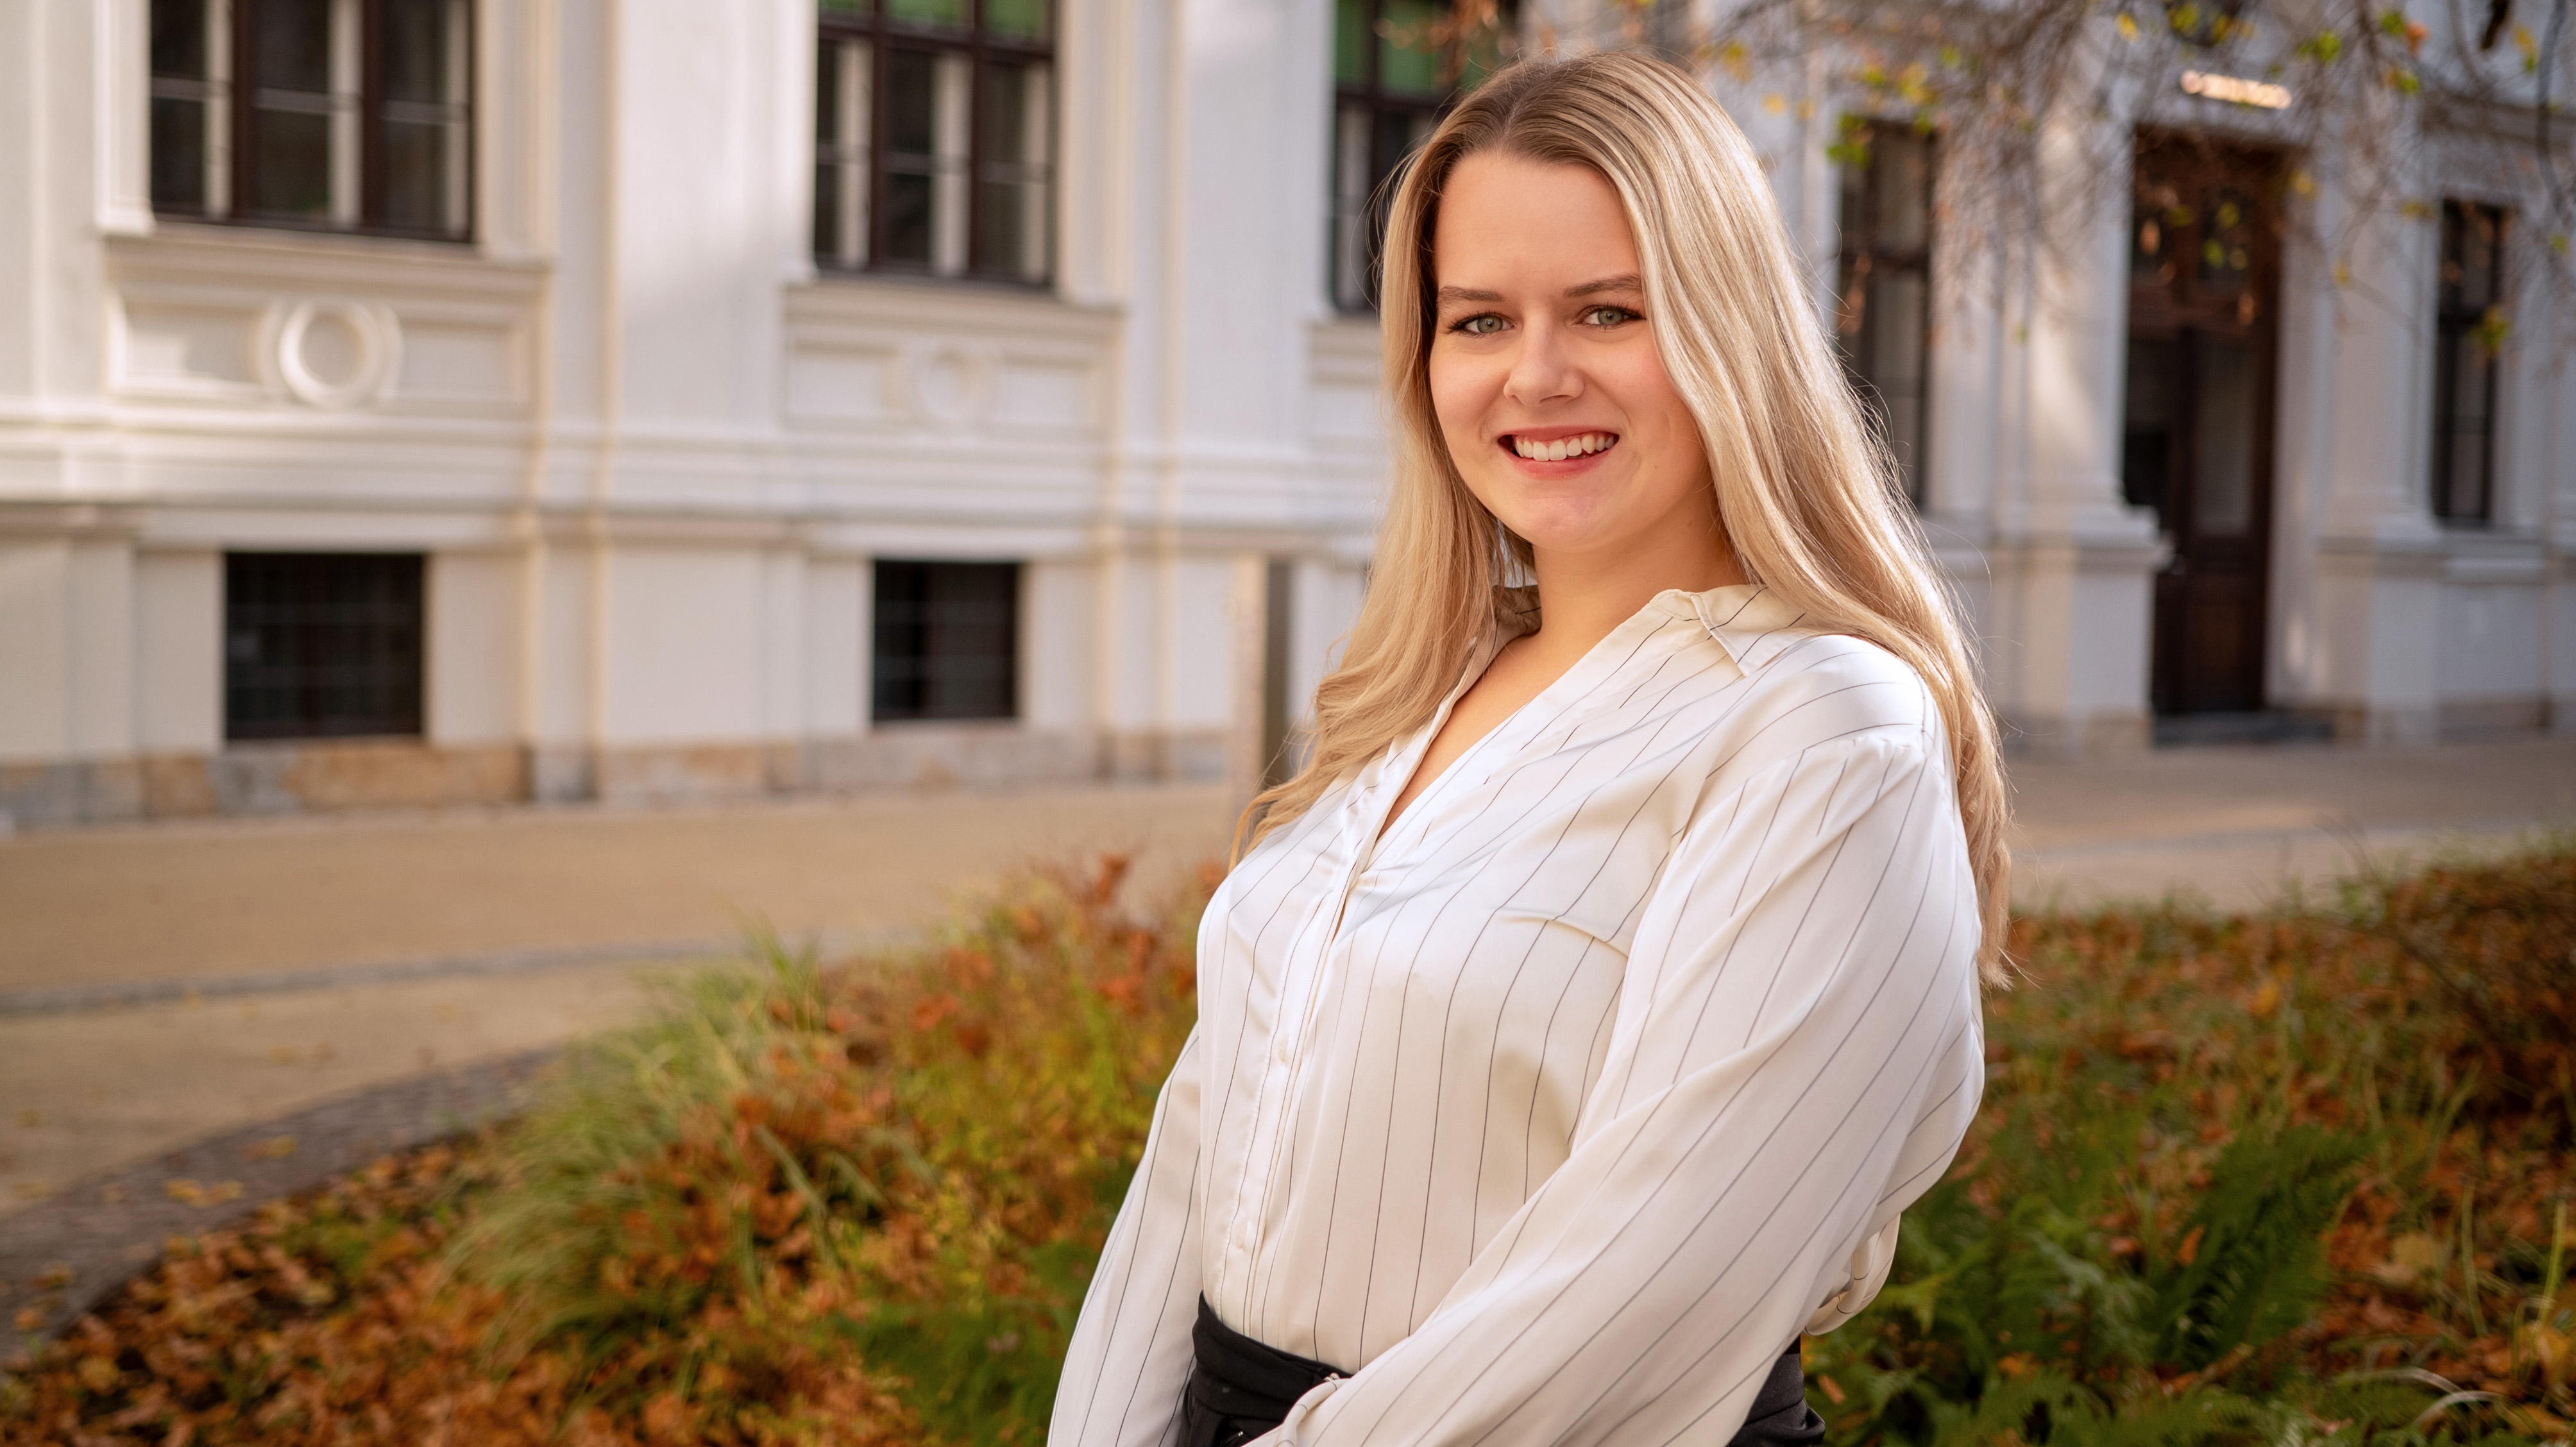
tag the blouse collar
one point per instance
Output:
(1751, 622)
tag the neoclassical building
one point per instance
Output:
(423, 401)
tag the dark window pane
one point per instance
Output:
(2223, 438)
(946, 641)
(1350, 41)
(1408, 57)
(1006, 96)
(827, 92)
(179, 39)
(178, 154)
(827, 211)
(2227, 242)
(1883, 313)
(2468, 330)
(912, 103)
(1011, 200)
(292, 42)
(417, 49)
(846, 7)
(322, 645)
(2146, 437)
(416, 176)
(290, 163)
(907, 219)
(943, 14)
(1022, 20)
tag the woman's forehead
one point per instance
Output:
(1508, 224)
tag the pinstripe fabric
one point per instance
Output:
(1557, 1111)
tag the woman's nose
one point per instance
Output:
(1542, 371)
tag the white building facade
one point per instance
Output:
(407, 402)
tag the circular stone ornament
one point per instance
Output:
(335, 355)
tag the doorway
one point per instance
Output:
(2204, 293)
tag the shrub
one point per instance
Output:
(2298, 1177)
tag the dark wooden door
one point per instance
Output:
(2204, 274)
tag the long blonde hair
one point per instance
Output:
(1806, 495)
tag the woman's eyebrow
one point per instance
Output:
(1627, 282)
(1460, 293)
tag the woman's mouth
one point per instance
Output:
(1558, 449)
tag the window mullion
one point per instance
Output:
(953, 82)
(348, 86)
(220, 114)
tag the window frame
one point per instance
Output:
(313, 661)
(1364, 213)
(930, 710)
(1859, 255)
(883, 34)
(2455, 323)
(230, 92)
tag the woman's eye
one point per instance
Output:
(1607, 316)
(1483, 324)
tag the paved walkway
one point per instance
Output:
(164, 983)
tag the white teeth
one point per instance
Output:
(1562, 448)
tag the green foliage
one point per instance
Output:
(2228, 1169)
(2297, 1178)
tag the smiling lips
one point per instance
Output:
(1560, 448)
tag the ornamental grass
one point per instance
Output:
(2293, 1177)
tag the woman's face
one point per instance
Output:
(1543, 367)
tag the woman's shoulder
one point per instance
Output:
(1805, 683)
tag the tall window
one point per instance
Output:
(341, 115)
(2468, 329)
(1397, 65)
(321, 645)
(1884, 316)
(934, 137)
(947, 641)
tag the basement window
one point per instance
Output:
(947, 641)
(322, 645)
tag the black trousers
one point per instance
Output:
(1239, 1388)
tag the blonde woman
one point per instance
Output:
(1580, 1019)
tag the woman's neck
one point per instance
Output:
(1583, 596)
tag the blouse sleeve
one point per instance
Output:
(1130, 1354)
(1795, 1057)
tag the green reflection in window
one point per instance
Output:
(1350, 41)
(847, 7)
(948, 14)
(1016, 19)
(1408, 58)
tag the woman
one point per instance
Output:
(1585, 1012)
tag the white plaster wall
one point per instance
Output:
(782, 645)
(572, 582)
(473, 648)
(99, 650)
(1059, 613)
(684, 644)
(178, 651)
(66, 648)
(2488, 642)
(35, 639)
(835, 673)
(1202, 670)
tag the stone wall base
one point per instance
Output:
(2091, 737)
(327, 775)
(278, 778)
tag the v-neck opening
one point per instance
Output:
(1388, 821)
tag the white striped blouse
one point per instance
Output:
(1556, 1113)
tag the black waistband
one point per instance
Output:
(1240, 1388)
(1247, 1380)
